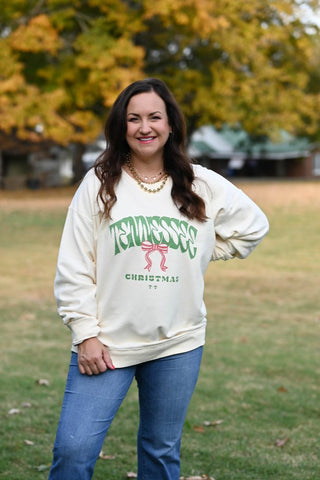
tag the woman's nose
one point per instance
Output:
(144, 126)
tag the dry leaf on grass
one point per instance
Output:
(13, 411)
(282, 390)
(44, 382)
(16, 411)
(28, 442)
(106, 457)
(198, 428)
(215, 423)
(281, 442)
(43, 468)
(201, 429)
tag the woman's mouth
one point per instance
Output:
(146, 139)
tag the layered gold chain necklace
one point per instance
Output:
(154, 179)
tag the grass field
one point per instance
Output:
(255, 413)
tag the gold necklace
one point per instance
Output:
(143, 178)
(153, 179)
(140, 181)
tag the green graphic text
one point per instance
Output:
(132, 231)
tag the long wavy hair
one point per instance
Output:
(177, 164)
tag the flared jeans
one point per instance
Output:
(90, 403)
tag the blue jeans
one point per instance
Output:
(90, 403)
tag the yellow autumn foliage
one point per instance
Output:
(62, 65)
(37, 36)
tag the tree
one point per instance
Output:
(62, 65)
(245, 63)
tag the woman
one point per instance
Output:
(139, 235)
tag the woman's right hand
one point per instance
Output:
(93, 357)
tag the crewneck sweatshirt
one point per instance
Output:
(136, 281)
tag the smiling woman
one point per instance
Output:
(159, 146)
(148, 131)
(130, 281)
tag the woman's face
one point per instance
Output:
(148, 127)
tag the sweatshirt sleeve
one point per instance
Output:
(75, 281)
(239, 223)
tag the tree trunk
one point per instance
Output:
(77, 165)
(1, 171)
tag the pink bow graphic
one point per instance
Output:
(149, 248)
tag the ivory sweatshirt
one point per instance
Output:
(136, 281)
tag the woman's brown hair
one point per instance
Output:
(177, 164)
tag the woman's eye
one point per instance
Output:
(156, 117)
(132, 119)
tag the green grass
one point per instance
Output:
(260, 372)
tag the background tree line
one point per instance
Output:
(62, 64)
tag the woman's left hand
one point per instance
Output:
(93, 357)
